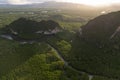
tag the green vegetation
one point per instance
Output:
(39, 67)
(15, 54)
(71, 26)
(41, 60)
(33, 61)
(8, 15)
(24, 28)
(102, 78)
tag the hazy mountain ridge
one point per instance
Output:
(102, 27)
(50, 4)
(63, 5)
(80, 10)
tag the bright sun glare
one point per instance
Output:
(94, 2)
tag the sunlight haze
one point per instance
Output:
(86, 2)
(93, 2)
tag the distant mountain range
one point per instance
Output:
(50, 4)
(64, 5)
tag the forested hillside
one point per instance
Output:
(55, 47)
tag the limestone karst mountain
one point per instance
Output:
(102, 28)
(29, 29)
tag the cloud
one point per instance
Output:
(3, 1)
(26, 1)
(19, 2)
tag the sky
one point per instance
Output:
(87, 2)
